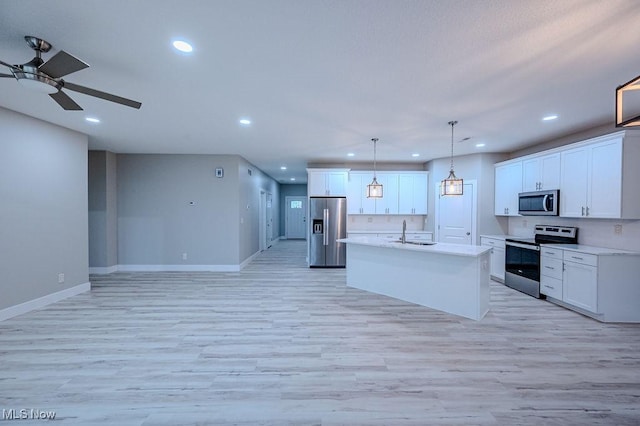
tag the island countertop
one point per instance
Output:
(440, 248)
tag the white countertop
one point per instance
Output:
(440, 248)
(355, 231)
(499, 237)
(599, 251)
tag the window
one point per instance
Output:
(296, 204)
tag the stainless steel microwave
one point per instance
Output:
(539, 203)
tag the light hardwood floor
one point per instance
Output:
(282, 344)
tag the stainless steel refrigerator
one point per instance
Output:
(328, 221)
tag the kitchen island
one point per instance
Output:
(449, 277)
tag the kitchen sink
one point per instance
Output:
(417, 243)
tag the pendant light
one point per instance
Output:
(451, 185)
(374, 189)
(629, 87)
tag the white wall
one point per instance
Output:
(592, 232)
(169, 205)
(43, 209)
(103, 214)
(478, 167)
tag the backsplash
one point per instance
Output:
(592, 232)
(385, 222)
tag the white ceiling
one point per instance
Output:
(320, 78)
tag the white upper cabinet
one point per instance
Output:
(413, 193)
(508, 185)
(357, 201)
(599, 180)
(388, 204)
(541, 173)
(327, 182)
(403, 193)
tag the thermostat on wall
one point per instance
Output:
(219, 172)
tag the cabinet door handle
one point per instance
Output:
(587, 211)
(582, 210)
(577, 258)
(548, 286)
(550, 267)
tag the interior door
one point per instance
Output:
(455, 217)
(296, 217)
(269, 219)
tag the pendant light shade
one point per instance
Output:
(374, 189)
(632, 90)
(451, 185)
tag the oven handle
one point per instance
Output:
(523, 246)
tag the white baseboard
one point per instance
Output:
(248, 260)
(175, 268)
(43, 301)
(101, 270)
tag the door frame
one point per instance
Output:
(287, 200)
(474, 211)
(262, 221)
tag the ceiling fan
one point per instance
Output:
(46, 77)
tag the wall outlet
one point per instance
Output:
(184, 256)
(617, 229)
(60, 278)
(369, 219)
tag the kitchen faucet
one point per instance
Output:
(403, 240)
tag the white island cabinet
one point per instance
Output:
(452, 278)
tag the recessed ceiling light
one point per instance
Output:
(244, 121)
(479, 145)
(415, 155)
(549, 117)
(293, 178)
(92, 120)
(283, 167)
(350, 154)
(183, 46)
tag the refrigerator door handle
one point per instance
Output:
(325, 227)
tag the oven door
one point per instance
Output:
(522, 267)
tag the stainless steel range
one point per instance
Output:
(522, 262)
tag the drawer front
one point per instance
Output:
(583, 258)
(419, 237)
(390, 236)
(551, 267)
(552, 287)
(492, 242)
(551, 252)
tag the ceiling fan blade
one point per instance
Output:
(62, 64)
(6, 75)
(13, 67)
(102, 95)
(65, 101)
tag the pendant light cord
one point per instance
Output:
(452, 123)
(374, 156)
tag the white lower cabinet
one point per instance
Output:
(597, 282)
(551, 283)
(497, 256)
(580, 281)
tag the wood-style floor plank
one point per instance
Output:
(281, 344)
